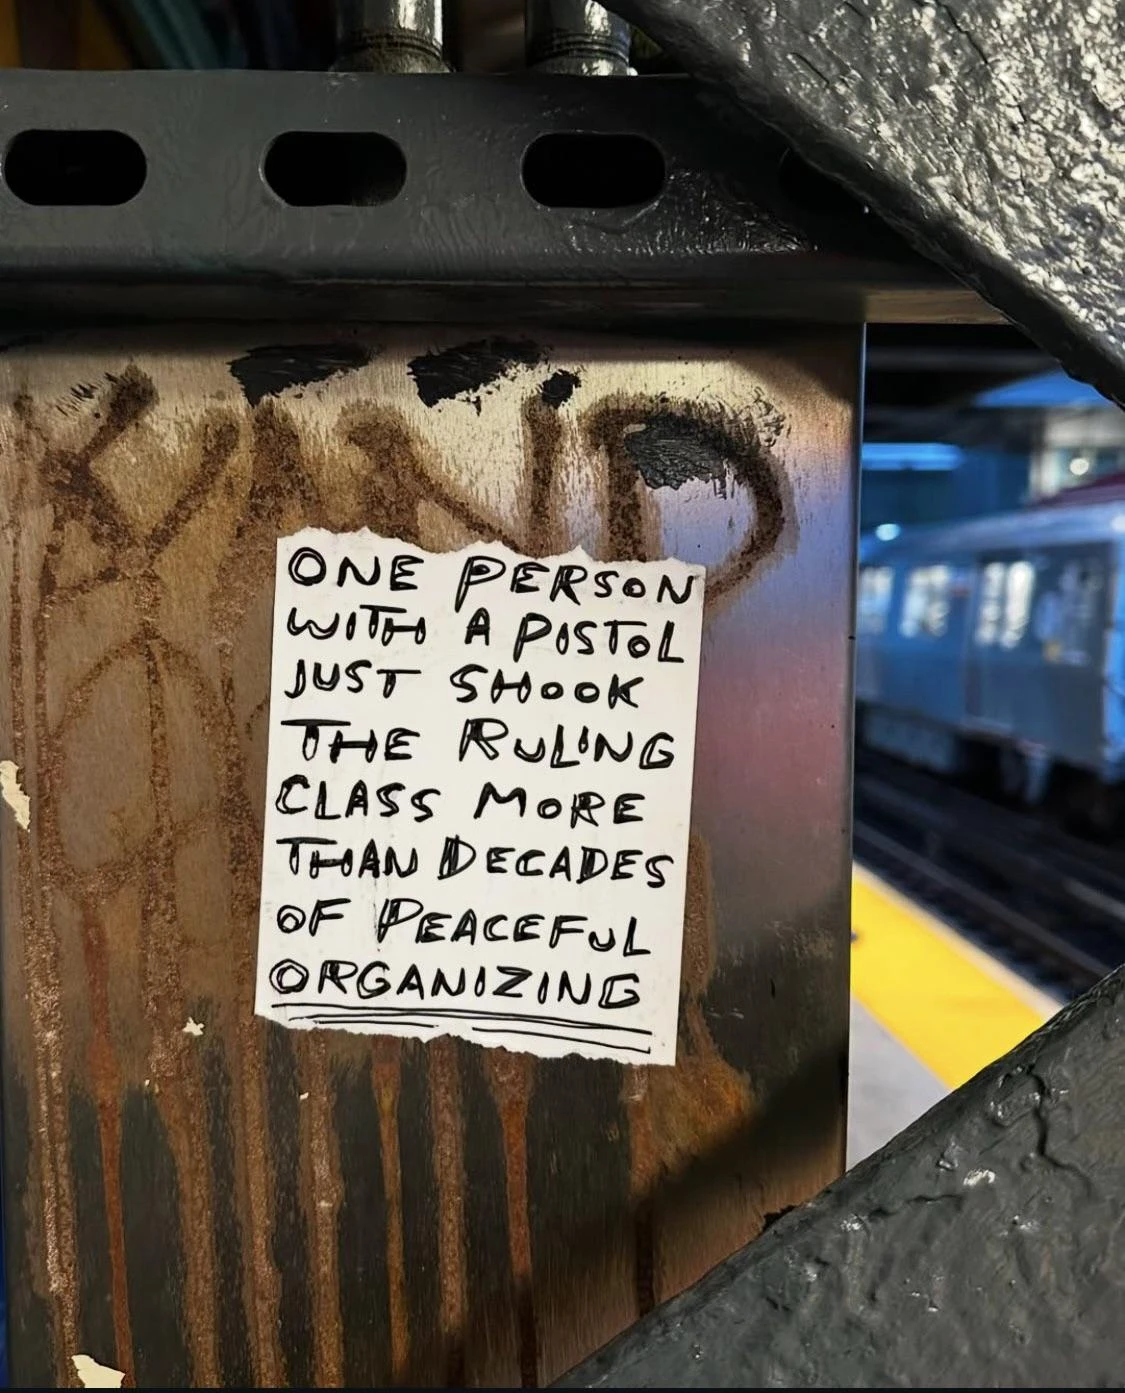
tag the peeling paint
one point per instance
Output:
(193, 1027)
(979, 1177)
(13, 794)
(95, 1375)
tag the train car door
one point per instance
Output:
(1033, 672)
(996, 642)
(922, 676)
(1069, 629)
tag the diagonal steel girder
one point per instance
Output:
(988, 131)
(978, 1249)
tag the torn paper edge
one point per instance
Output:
(13, 794)
(94, 1375)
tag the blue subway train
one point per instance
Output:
(994, 648)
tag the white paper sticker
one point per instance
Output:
(479, 791)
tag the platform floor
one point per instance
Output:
(929, 1010)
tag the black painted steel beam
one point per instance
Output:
(988, 131)
(978, 1249)
(437, 217)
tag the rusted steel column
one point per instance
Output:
(195, 1196)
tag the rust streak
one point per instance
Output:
(263, 1281)
(276, 474)
(220, 436)
(175, 1062)
(106, 1085)
(512, 1078)
(41, 967)
(542, 431)
(399, 482)
(58, 1202)
(445, 1101)
(386, 1068)
(109, 1130)
(644, 1169)
(83, 497)
(327, 1192)
(238, 819)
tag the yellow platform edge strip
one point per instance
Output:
(947, 1002)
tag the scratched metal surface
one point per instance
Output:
(250, 1206)
(988, 131)
(976, 1250)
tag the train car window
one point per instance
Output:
(991, 603)
(875, 586)
(1065, 615)
(1004, 605)
(1017, 602)
(925, 609)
